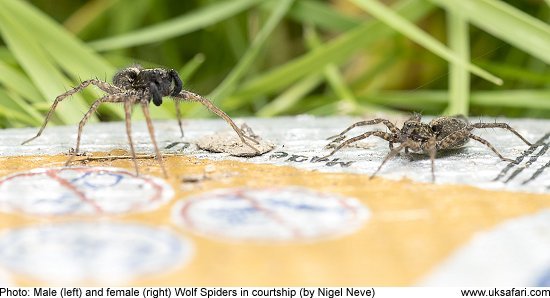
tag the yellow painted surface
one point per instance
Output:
(412, 229)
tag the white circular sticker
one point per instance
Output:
(516, 252)
(270, 214)
(81, 191)
(104, 253)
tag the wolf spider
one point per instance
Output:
(442, 133)
(135, 85)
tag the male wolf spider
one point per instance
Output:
(442, 133)
(135, 85)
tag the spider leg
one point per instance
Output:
(501, 125)
(392, 153)
(93, 109)
(486, 143)
(186, 95)
(145, 108)
(390, 125)
(465, 133)
(431, 148)
(128, 119)
(178, 115)
(384, 135)
(106, 87)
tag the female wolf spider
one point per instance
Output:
(136, 85)
(442, 133)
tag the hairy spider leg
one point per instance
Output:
(465, 133)
(178, 115)
(486, 143)
(89, 113)
(190, 96)
(501, 125)
(214, 109)
(128, 104)
(390, 125)
(106, 87)
(431, 148)
(145, 108)
(394, 152)
(384, 135)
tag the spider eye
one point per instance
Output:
(436, 128)
(132, 76)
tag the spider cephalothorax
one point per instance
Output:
(442, 133)
(415, 130)
(158, 82)
(135, 85)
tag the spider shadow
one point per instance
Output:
(417, 156)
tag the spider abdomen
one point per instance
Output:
(443, 127)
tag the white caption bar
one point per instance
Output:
(290, 292)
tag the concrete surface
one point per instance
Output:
(300, 142)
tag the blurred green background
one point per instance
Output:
(282, 57)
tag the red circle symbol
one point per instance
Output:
(81, 191)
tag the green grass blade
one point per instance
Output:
(428, 100)
(178, 26)
(128, 15)
(69, 52)
(507, 23)
(366, 80)
(332, 73)
(418, 101)
(459, 77)
(247, 60)
(525, 99)
(290, 97)
(33, 117)
(17, 110)
(120, 61)
(189, 69)
(66, 50)
(6, 56)
(86, 14)
(401, 24)
(236, 36)
(18, 82)
(37, 64)
(335, 51)
(322, 15)
(516, 73)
